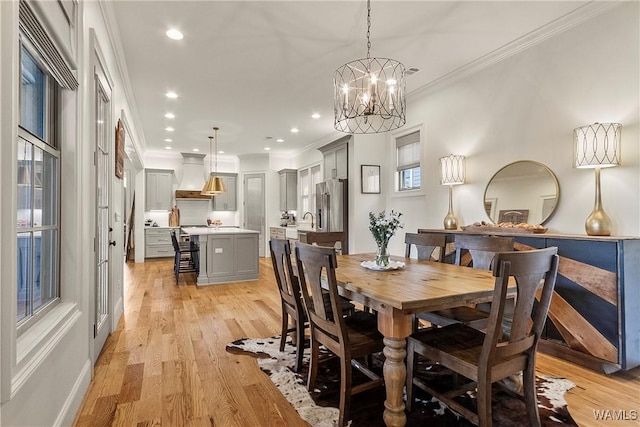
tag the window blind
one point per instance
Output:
(38, 37)
(408, 149)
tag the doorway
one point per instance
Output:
(102, 135)
(254, 210)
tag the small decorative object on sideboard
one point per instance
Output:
(509, 227)
(383, 228)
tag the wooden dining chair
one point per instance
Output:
(485, 358)
(293, 310)
(350, 338)
(290, 297)
(426, 245)
(481, 251)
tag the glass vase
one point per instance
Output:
(382, 256)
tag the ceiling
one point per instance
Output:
(256, 69)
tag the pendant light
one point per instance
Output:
(213, 185)
(369, 94)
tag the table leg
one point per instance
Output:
(395, 373)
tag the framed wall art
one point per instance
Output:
(370, 179)
(119, 150)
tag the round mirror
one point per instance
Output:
(523, 191)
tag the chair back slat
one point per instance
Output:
(531, 270)
(481, 248)
(316, 266)
(426, 244)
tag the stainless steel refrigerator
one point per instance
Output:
(332, 207)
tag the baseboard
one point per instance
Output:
(72, 404)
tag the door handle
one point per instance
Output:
(112, 243)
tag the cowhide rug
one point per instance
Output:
(320, 408)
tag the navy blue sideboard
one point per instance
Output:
(594, 318)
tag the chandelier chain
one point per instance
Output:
(368, 29)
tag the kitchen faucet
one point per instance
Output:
(305, 215)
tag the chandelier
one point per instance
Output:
(213, 185)
(369, 94)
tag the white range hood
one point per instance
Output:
(193, 173)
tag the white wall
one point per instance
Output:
(525, 108)
(44, 377)
(522, 108)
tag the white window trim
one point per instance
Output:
(392, 181)
(22, 356)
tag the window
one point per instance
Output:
(38, 191)
(408, 161)
(308, 179)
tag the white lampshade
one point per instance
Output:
(452, 170)
(597, 145)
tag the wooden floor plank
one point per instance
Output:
(166, 364)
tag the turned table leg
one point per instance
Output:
(395, 372)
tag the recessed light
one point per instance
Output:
(195, 149)
(170, 116)
(295, 130)
(169, 129)
(220, 152)
(167, 148)
(267, 148)
(168, 140)
(171, 95)
(174, 34)
(279, 140)
(315, 116)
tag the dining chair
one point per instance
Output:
(487, 357)
(350, 338)
(426, 245)
(481, 251)
(291, 298)
(187, 256)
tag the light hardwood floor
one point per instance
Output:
(166, 363)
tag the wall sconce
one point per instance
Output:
(597, 146)
(451, 173)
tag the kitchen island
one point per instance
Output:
(226, 254)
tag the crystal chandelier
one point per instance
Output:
(213, 185)
(369, 94)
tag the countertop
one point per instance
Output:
(197, 231)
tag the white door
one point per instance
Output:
(254, 210)
(103, 139)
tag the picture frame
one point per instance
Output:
(370, 179)
(119, 169)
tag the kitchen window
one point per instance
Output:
(308, 178)
(38, 191)
(408, 161)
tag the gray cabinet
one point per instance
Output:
(336, 158)
(230, 257)
(159, 189)
(288, 189)
(227, 201)
(157, 243)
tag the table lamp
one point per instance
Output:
(451, 173)
(597, 146)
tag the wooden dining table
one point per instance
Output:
(419, 286)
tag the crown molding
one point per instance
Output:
(113, 31)
(553, 28)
